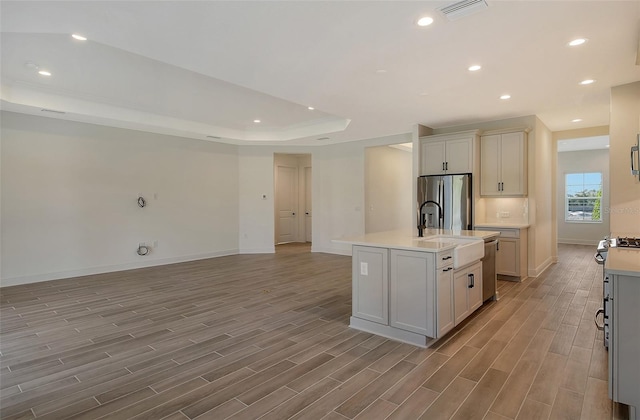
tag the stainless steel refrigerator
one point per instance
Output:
(445, 202)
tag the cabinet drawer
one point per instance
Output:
(444, 258)
(509, 233)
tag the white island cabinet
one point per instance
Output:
(370, 288)
(420, 282)
(407, 289)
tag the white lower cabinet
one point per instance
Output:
(446, 320)
(411, 296)
(511, 255)
(508, 257)
(624, 340)
(413, 300)
(370, 284)
(467, 290)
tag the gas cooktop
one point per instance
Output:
(626, 242)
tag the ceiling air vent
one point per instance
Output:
(463, 8)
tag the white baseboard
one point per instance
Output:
(539, 269)
(271, 250)
(391, 332)
(36, 278)
(346, 252)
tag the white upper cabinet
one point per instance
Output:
(447, 153)
(503, 164)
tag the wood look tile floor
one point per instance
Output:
(267, 336)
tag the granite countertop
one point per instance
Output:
(434, 240)
(625, 261)
(504, 225)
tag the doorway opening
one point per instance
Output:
(582, 188)
(293, 206)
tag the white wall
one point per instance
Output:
(542, 166)
(337, 196)
(69, 198)
(388, 189)
(256, 216)
(574, 162)
(624, 125)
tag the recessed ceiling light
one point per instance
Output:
(78, 37)
(44, 73)
(576, 120)
(322, 138)
(587, 82)
(577, 41)
(310, 108)
(507, 96)
(475, 67)
(424, 93)
(381, 71)
(213, 137)
(256, 121)
(425, 21)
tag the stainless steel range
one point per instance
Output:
(601, 257)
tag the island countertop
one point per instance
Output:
(434, 240)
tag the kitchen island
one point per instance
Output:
(415, 289)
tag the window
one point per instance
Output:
(583, 194)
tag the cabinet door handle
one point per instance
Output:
(293, 213)
(446, 166)
(447, 258)
(443, 166)
(599, 326)
(472, 282)
(447, 269)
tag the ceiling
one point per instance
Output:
(208, 69)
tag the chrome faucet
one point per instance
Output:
(422, 221)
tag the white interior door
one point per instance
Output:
(307, 203)
(287, 203)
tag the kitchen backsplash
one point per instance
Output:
(513, 210)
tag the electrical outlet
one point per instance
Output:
(364, 268)
(505, 214)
